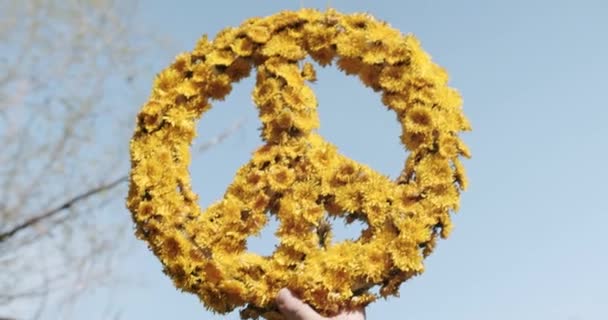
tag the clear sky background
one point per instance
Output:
(530, 239)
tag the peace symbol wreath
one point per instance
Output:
(296, 175)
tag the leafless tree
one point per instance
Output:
(67, 70)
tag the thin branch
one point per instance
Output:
(105, 187)
(222, 136)
(66, 205)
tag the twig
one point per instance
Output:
(105, 187)
(66, 205)
(222, 136)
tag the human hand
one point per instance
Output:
(294, 309)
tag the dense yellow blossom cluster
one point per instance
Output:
(296, 175)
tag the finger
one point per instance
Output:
(293, 308)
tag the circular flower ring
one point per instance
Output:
(296, 175)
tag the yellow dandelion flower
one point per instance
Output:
(235, 289)
(202, 47)
(419, 119)
(266, 90)
(243, 47)
(146, 209)
(448, 145)
(258, 33)
(188, 89)
(313, 215)
(381, 32)
(392, 80)
(308, 72)
(358, 21)
(218, 87)
(281, 178)
(300, 98)
(284, 46)
(375, 53)
(182, 119)
(221, 57)
(305, 121)
(285, 19)
(166, 80)
(225, 38)
(434, 170)
(239, 69)
(151, 116)
(288, 71)
(323, 56)
(351, 45)
(370, 76)
(417, 140)
(149, 174)
(396, 101)
(181, 63)
(350, 65)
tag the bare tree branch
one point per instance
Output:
(66, 205)
(70, 72)
(222, 136)
(4, 236)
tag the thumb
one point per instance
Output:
(293, 308)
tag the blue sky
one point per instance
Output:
(530, 239)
